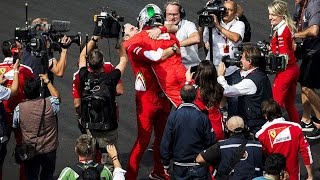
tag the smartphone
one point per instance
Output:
(15, 57)
(193, 68)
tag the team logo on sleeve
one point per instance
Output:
(279, 135)
(140, 84)
(2, 70)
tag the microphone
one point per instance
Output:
(60, 26)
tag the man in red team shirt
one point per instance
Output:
(13, 49)
(284, 137)
(159, 73)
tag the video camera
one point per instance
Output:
(271, 63)
(215, 7)
(42, 37)
(274, 62)
(107, 24)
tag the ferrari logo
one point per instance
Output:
(2, 70)
(273, 133)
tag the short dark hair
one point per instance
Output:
(7, 46)
(32, 88)
(271, 109)
(96, 59)
(91, 173)
(188, 93)
(253, 54)
(275, 163)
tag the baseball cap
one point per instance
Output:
(235, 122)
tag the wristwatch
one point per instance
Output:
(174, 48)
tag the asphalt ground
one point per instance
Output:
(80, 13)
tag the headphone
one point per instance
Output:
(174, 2)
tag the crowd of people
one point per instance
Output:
(220, 121)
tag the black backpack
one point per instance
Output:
(79, 168)
(98, 102)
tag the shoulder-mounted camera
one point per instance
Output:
(107, 24)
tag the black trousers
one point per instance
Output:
(46, 161)
(190, 172)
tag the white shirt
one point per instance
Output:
(189, 54)
(244, 87)
(219, 42)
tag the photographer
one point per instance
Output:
(85, 150)
(227, 34)
(252, 90)
(285, 81)
(55, 67)
(209, 94)
(36, 119)
(281, 136)
(237, 157)
(309, 21)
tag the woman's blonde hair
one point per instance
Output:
(280, 8)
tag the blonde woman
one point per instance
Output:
(285, 82)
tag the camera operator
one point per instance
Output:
(281, 136)
(309, 21)
(285, 82)
(101, 79)
(187, 33)
(227, 34)
(243, 18)
(56, 67)
(252, 90)
(237, 157)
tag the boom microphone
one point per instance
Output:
(60, 26)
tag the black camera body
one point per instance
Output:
(107, 24)
(236, 61)
(215, 7)
(273, 62)
(37, 40)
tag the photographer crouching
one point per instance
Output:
(252, 90)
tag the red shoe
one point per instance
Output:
(158, 176)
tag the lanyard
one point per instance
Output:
(225, 38)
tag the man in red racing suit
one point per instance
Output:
(170, 72)
(152, 108)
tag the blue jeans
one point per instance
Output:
(46, 161)
(190, 173)
(232, 79)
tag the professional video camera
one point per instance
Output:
(236, 61)
(107, 24)
(274, 62)
(205, 14)
(42, 37)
